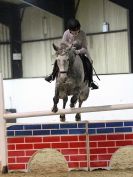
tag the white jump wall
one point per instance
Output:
(36, 95)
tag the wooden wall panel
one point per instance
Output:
(117, 53)
(105, 49)
(37, 55)
(110, 51)
(90, 14)
(38, 58)
(97, 52)
(38, 24)
(115, 15)
(5, 53)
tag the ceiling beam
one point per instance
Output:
(55, 7)
(128, 4)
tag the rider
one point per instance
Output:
(74, 37)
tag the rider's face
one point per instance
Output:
(74, 33)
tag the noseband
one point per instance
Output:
(63, 72)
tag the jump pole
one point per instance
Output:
(3, 144)
(69, 111)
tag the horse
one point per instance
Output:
(69, 80)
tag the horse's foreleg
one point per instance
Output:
(73, 100)
(78, 115)
(62, 116)
(55, 100)
(65, 101)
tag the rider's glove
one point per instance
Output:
(77, 52)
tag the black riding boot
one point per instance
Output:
(88, 72)
(52, 76)
(93, 86)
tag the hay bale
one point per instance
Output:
(48, 161)
(123, 158)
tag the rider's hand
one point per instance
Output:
(77, 52)
(74, 48)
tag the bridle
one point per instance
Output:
(63, 72)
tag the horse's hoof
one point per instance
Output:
(78, 117)
(72, 105)
(62, 118)
(54, 109)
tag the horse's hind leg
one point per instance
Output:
(75, 97)
(82, 97)
(62, 116)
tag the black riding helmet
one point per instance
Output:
(73, 24)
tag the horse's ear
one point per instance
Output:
(56, 48)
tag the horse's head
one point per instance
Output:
(63, 60)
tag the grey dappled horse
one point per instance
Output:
(70, 79)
